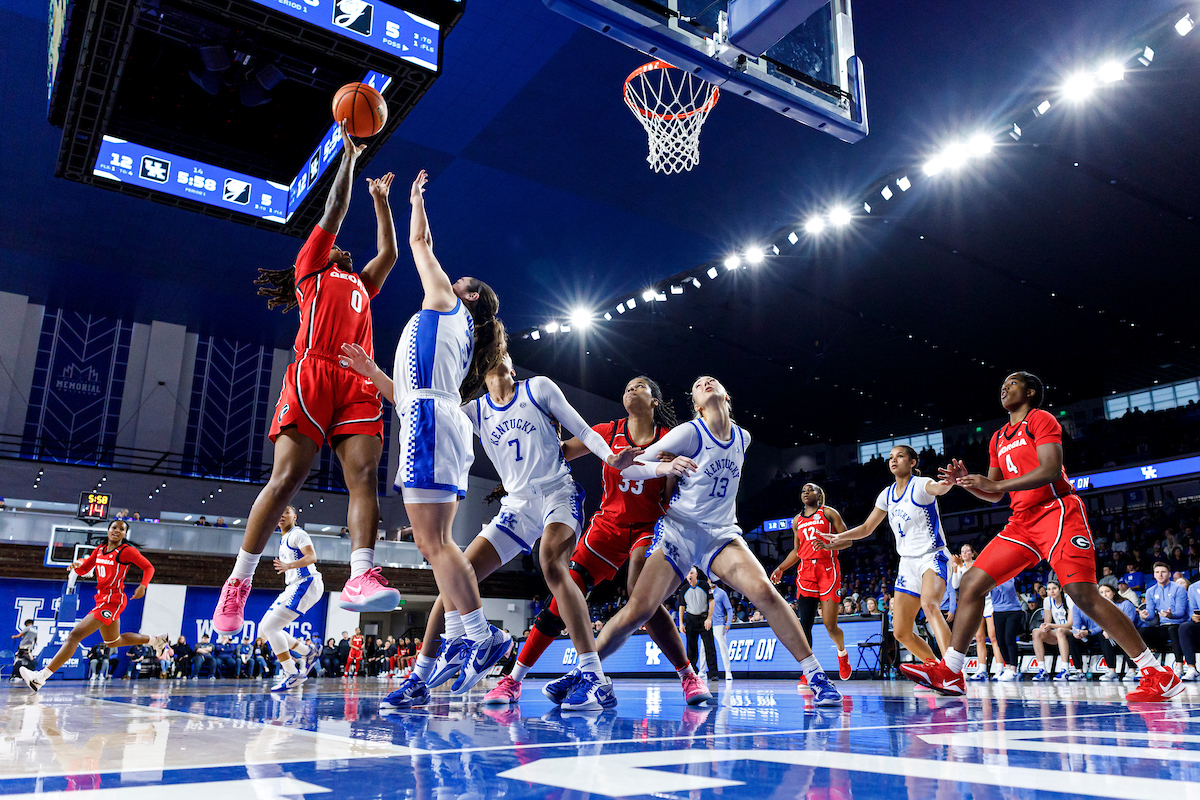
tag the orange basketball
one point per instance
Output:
(363, 108)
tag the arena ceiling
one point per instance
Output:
(1070, 252)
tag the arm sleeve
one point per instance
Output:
(315, 253)
(547, 396)
(956, 579)
(88, 564)
(1045, 428)
(138, 560)
(681, 440)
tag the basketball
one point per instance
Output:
(362, 107)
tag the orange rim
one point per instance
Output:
(712, 101)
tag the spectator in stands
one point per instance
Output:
(184, 655)
(246, 652)
(220, 523)
(136, 517)
(226, 655)
(1119, 545)
(331, 664)
(344, 532)
(204, 658)
(756, 616)
(1084, 632)
(343, 650)
(847, 606)
(872, 606)
(202, 522)
(97, 658)
(27, 636)
(1058, 611)
(1125, 592)
(166, 660)
(136, 655)
(1166, 608)
(264, 661)
(1109, 579)
(1107, 646)
(1134, 578)
(391, 652)
(1176, 561)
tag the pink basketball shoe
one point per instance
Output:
(369, 592)
(231, 607)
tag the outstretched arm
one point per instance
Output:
(338, 201)
(377, 269)
(681, 439)
(364, 365)
(956, 472)
(439, 294)
(545, 391)
(838, 541)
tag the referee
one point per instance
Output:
(695, 620)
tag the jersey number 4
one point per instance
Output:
(633, 488)
(1008, 462)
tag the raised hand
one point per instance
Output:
(355, 358)
(833, 541)
(952, 472)
(417, 192)
(352, 149)
(280, 567)
(977, 482)
(379, 187)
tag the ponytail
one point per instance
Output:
(664, 411)
(913, 455)
(491, 341)
(279, 287)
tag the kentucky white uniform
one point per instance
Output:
(1060, 613)
(702, 517)
(432, 358)
(956, 580)
(520, 439)
(918, 528)
(304, 585)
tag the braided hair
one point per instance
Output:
(491, 341)
(279, 287)
(664, 411)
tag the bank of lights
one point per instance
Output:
(755, 255)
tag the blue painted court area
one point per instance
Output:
(761, 739)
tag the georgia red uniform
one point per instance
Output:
(628, 511)
(111, 566)
(320, 397)
(818, 574)
(356, 651)
(1049, 522)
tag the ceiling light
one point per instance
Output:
(696, 282)
(607, 315)
(676, 289)
(1185, 25)
(980, 144)
(631, 303)
(648, 295)
(886, 192)
(1146, 57)
(1042, 107)
(551, 327)
(904, 183)
(712, 272)
(867, 207)
(755, 255)
(840, 216)
(661, 297)
(1015, 133)
(535, 334)
(1111, 71)
(933, 166)
(1078, 87)
(565, 328)
(814, 225)
(793, 238)
(581, 318)
(620, 308)
(955, 155)
(733, 262)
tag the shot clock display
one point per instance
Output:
(93, 506)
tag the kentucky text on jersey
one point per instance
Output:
(720, 465)
(510, 425)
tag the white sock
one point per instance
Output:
(476, 625)
(1146, 659)
(299, 648)
(811, 667)
(44, 673)
(842, 653)
(685, 670)
(362, 561)
(954, 659)
(243, 568)
(454, 626)
(423, 667)
(519, 672)
(289, 666)
(590, 662)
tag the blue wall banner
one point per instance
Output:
(200, 601)
(1127, 475)
(753, 651)
(39, 600)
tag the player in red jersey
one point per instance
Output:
(1049, 521)
(354, 660)
(620, 531)
(819, 576)
(110, 561)
(322, 399)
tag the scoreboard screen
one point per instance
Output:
(94, 505)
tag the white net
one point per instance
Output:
(672, 105)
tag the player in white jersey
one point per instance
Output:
(910, 507)
(700, 527)
(297, 561)
(515, 422)
(446, 350)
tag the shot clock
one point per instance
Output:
(93, 506)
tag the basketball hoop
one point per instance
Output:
(672, 105)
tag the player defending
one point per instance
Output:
(322, 400)
(1048, 522)
(110, 561)
(296, 561)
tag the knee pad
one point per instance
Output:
(548, 623)
(585, 578)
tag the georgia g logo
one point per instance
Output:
(106, 613)
(283, 411)
(1081, 541)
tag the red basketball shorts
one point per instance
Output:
(1056, 531)
(323, 399)
(109, 611)
(819, 578)
(605, 546)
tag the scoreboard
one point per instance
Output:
(93, 506)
